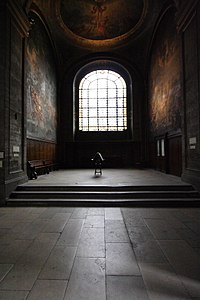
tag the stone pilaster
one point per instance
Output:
(14, 28)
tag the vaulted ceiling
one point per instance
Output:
(80, 27)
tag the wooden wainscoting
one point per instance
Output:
(41, 150)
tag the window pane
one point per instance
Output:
(102, 93)
(103, 112)
(112, 93)
(102, 103)
(93, 113)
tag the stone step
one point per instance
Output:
(101, 188)
(167, 202)
(46, 194)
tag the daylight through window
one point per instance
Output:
(102, 102)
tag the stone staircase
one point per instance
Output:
(91, 195)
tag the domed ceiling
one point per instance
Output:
(101, 22)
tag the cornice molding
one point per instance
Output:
(185, 14)
(19, 17)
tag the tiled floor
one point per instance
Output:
(56, 253)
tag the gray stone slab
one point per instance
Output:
(79, 213)
(94, 221)
(11, 253)
(13, 295)
(8, 223)
(132, 217)
(71, 233)
(120, 260)
(87, 281)
(21, 277)
(48, 290)
(49, 213)
(57, 223)
(139, 235)
(113, 214)
(186, 264)
(39, 250)
(91, 243)
(162, 230)
(162, 282)
(59, 263)
(149, 252)
(4, 269)
(126, 288)
(96, 211)
(31, 231)
(115, 231)
(194, 226)
(192, 238)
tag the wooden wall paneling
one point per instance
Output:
(40, 150)
(175, 155)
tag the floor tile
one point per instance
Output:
(21, 277)
(126, 288)
(48, 290)
(115, 231)
(113, 214)
(87, 281)
(11, 253)
(4, 269)
(13, 295)
(59, 263)
(162, 230)
(71, 233)
(79, 213)
(94, 221)
(96, 211)
(57, 223)
(120, 260)
(91, 243)
(185, 262)
(162, 282)
(149, 252)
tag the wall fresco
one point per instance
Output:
(101, 19)
(164, 80)
(41, 85)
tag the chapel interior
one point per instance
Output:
(50, 50)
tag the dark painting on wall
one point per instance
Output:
(164, 78)
(41, 85)
(101, 19)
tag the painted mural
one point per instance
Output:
(101, 19)
(41, 85)
(165, 89)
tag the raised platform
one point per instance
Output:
(120, 187)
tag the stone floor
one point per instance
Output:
(55, 253)
(110, 177)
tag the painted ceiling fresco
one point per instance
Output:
(102, 19)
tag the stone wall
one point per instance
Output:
(12, 155)
(189, 26)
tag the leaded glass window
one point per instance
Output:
(102, 102)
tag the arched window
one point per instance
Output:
(102, 101)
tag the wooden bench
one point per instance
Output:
(33, 166)
(50, 165)
(40, 166)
